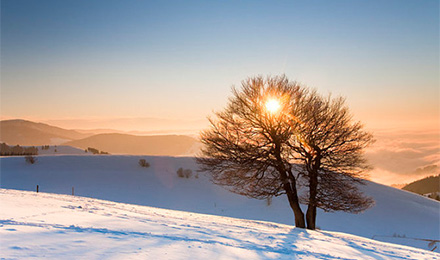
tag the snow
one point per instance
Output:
(61, 150)
(398, 216)
(51, 226)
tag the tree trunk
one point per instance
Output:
(289, 185)
(313, 191)
(311, 217)
(294, 204)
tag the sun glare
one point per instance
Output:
(273, 105)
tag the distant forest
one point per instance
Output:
(6, 150)
(94, 151)
(429, 186)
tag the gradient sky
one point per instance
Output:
(179, 59)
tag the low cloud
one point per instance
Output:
(404, 156)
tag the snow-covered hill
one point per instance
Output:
(113, 143)
(398, 216)
(61, 150)
(39, 225)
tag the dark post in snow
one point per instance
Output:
(73, 193)
(37, 188)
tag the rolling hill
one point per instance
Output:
(27, 133)
(24, 132)
(172, 145)
(426, 185)
(398, 216)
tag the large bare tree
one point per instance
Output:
(246, 149)
(263, 141)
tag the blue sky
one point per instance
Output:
(178, 59)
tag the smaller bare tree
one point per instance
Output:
(329, 154)
(143, 163)
(30, 159)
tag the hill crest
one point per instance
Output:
(424, 186)
(27, 133)
(24, 132)
(117, 143)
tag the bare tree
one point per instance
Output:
(247, 147)
(329, 154)
(30, 159)
(143, 163)
(274, 131)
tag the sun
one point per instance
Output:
(273, 105)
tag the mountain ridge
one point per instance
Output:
(24, 132)
(430, 184)
(27, 133)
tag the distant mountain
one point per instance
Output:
(171, 145)
(27, 133)
(98, 131)
(424, 186)
(24, 132)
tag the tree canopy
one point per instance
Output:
(275, 134)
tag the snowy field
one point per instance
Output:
(52, 226)
(61, 150)
(398, 216)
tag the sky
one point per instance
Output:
(84, 63)
(179, 59)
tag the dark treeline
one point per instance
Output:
(6, 150)
(94, 151)
(429, 186)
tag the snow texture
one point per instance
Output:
(398, 216)
(50, 226)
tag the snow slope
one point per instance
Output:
(40, 225)
(61, 150)
(398, 216)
